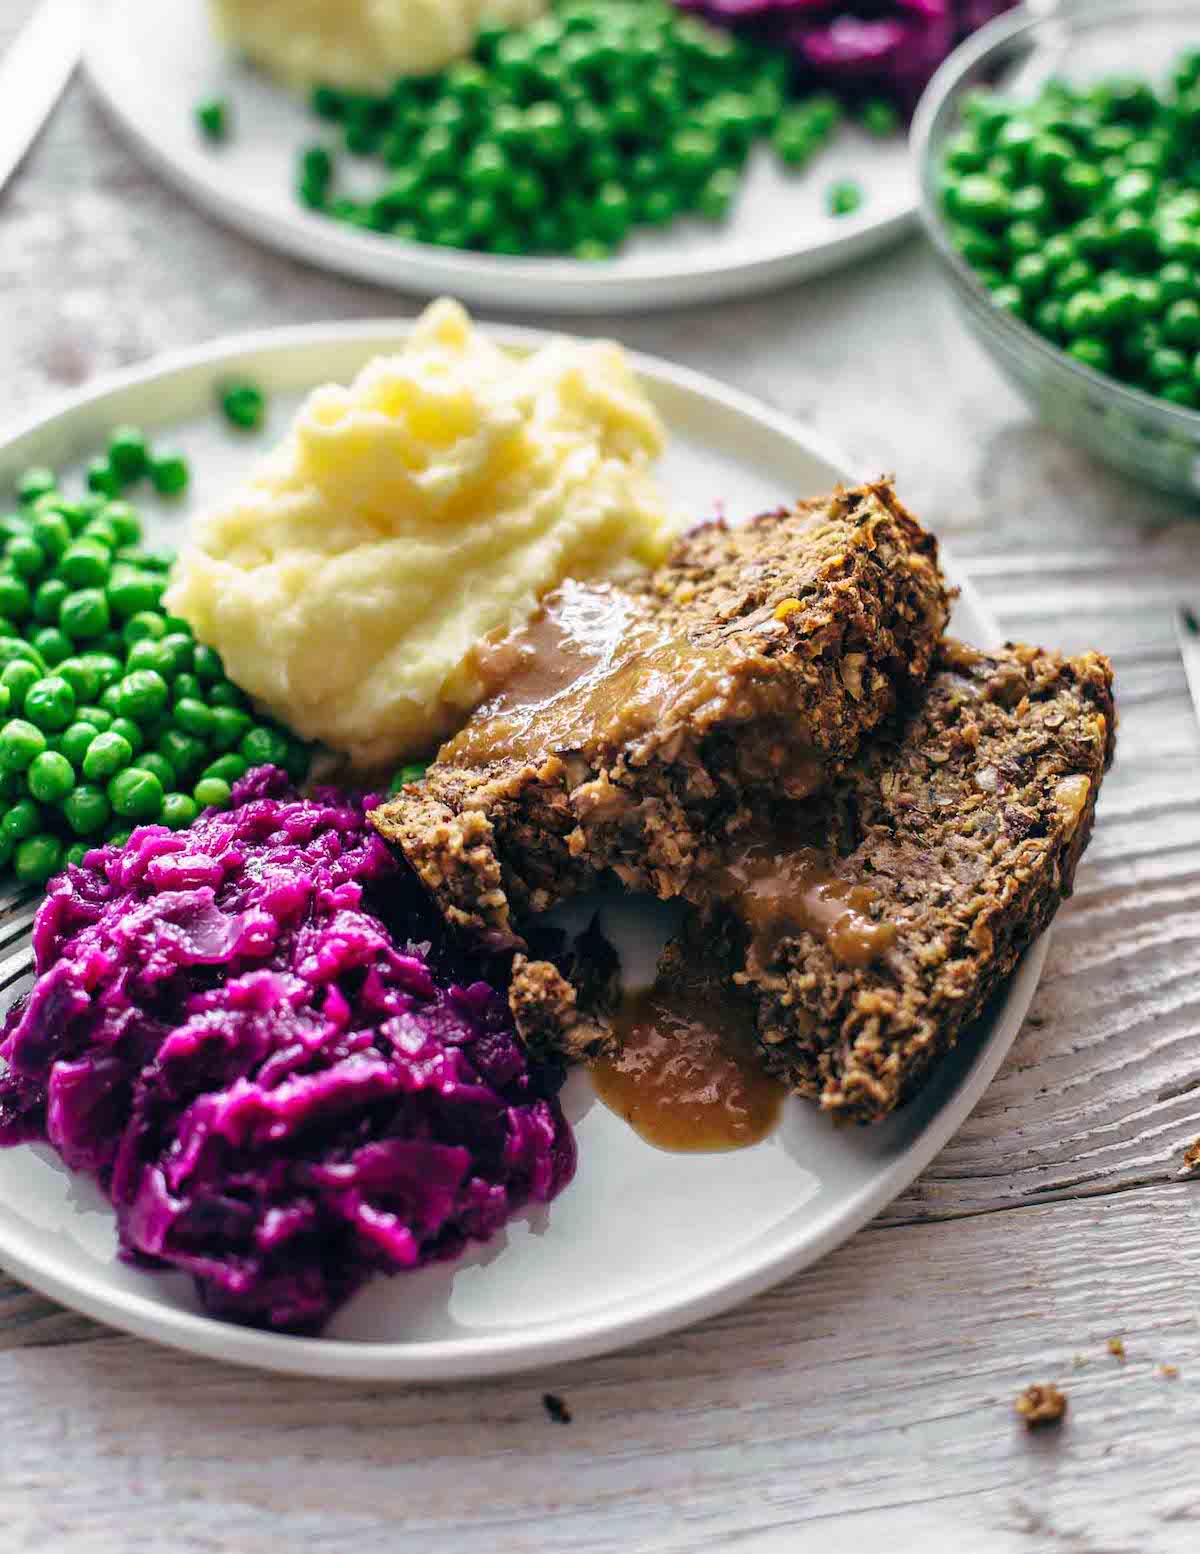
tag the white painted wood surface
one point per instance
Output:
(869, 1402)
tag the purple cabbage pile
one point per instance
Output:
(279, 1093)
(864, 47)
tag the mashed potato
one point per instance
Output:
(362, 45)
(433, 501)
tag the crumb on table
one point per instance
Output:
(1168, 1371)
(1116, 1347)
(556, 1408)
(1191, 1159)
(1041, 1404)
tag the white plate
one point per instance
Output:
(152, 61)
(642, 1241)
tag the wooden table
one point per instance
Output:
(869, 1402)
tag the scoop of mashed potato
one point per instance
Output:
(361, 45)
(433, 501)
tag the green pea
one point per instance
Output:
(107, 667)
(1023, 237)
(212, 793)
(100, 535)
(50, 703)
(1047, 318)
(128, 454)
(83, 615)
(74, 740)
(47, 600)
(34, 483)
(82, 677)
(102, 478)
(51, 777)
(184, 752)
(263, 747)
(87, 810)
(207, 665)
(1181, 325)
(880, 119)
(717, 195)
(21, 742)
(228, 768)
(38, 859)
(1176, 282)
(107, 754)
(75, 854)
(193, 717)
(1083, 313)
(228, 726)
(180, 647)
(52, 533)
(659, 206)
(1166, 364)
(130, 593)
(1031, 274)
(151, 761)
(148, 653)
(118, 835)
(16, 601)
(146, 625)
(214, 117)
(24, 555)
(98, 717)
(21, 821)
(136, 794)
(16, 678)
(169, 473)
(1009, 298)
(1073, 277)
(179, 811)
(123, 522)
(243, 404)
(128, 731)
(143, 695)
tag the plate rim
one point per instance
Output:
(567, 285)
(585, 1334)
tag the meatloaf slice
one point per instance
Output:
(630, 729)
(945, 849)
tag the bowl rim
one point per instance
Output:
(945, 86)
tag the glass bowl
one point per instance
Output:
(1079, 40)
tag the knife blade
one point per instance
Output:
(1187, 629)
(33, 73)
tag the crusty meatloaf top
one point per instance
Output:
(630, 729)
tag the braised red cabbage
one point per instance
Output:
(278, 1090)
(861, 46)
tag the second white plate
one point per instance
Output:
(152, 62)
(641, 1241)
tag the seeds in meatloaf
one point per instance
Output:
(633, 728)
(955, 836)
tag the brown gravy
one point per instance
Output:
(684, 1075)
(594, 669)
(779, 889)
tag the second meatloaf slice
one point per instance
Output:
(874, 925)
(629, 729)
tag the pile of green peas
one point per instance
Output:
(562, 136)
(111, 714)
(1080, 212)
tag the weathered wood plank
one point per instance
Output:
(866, 1404)
(879, 1384)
